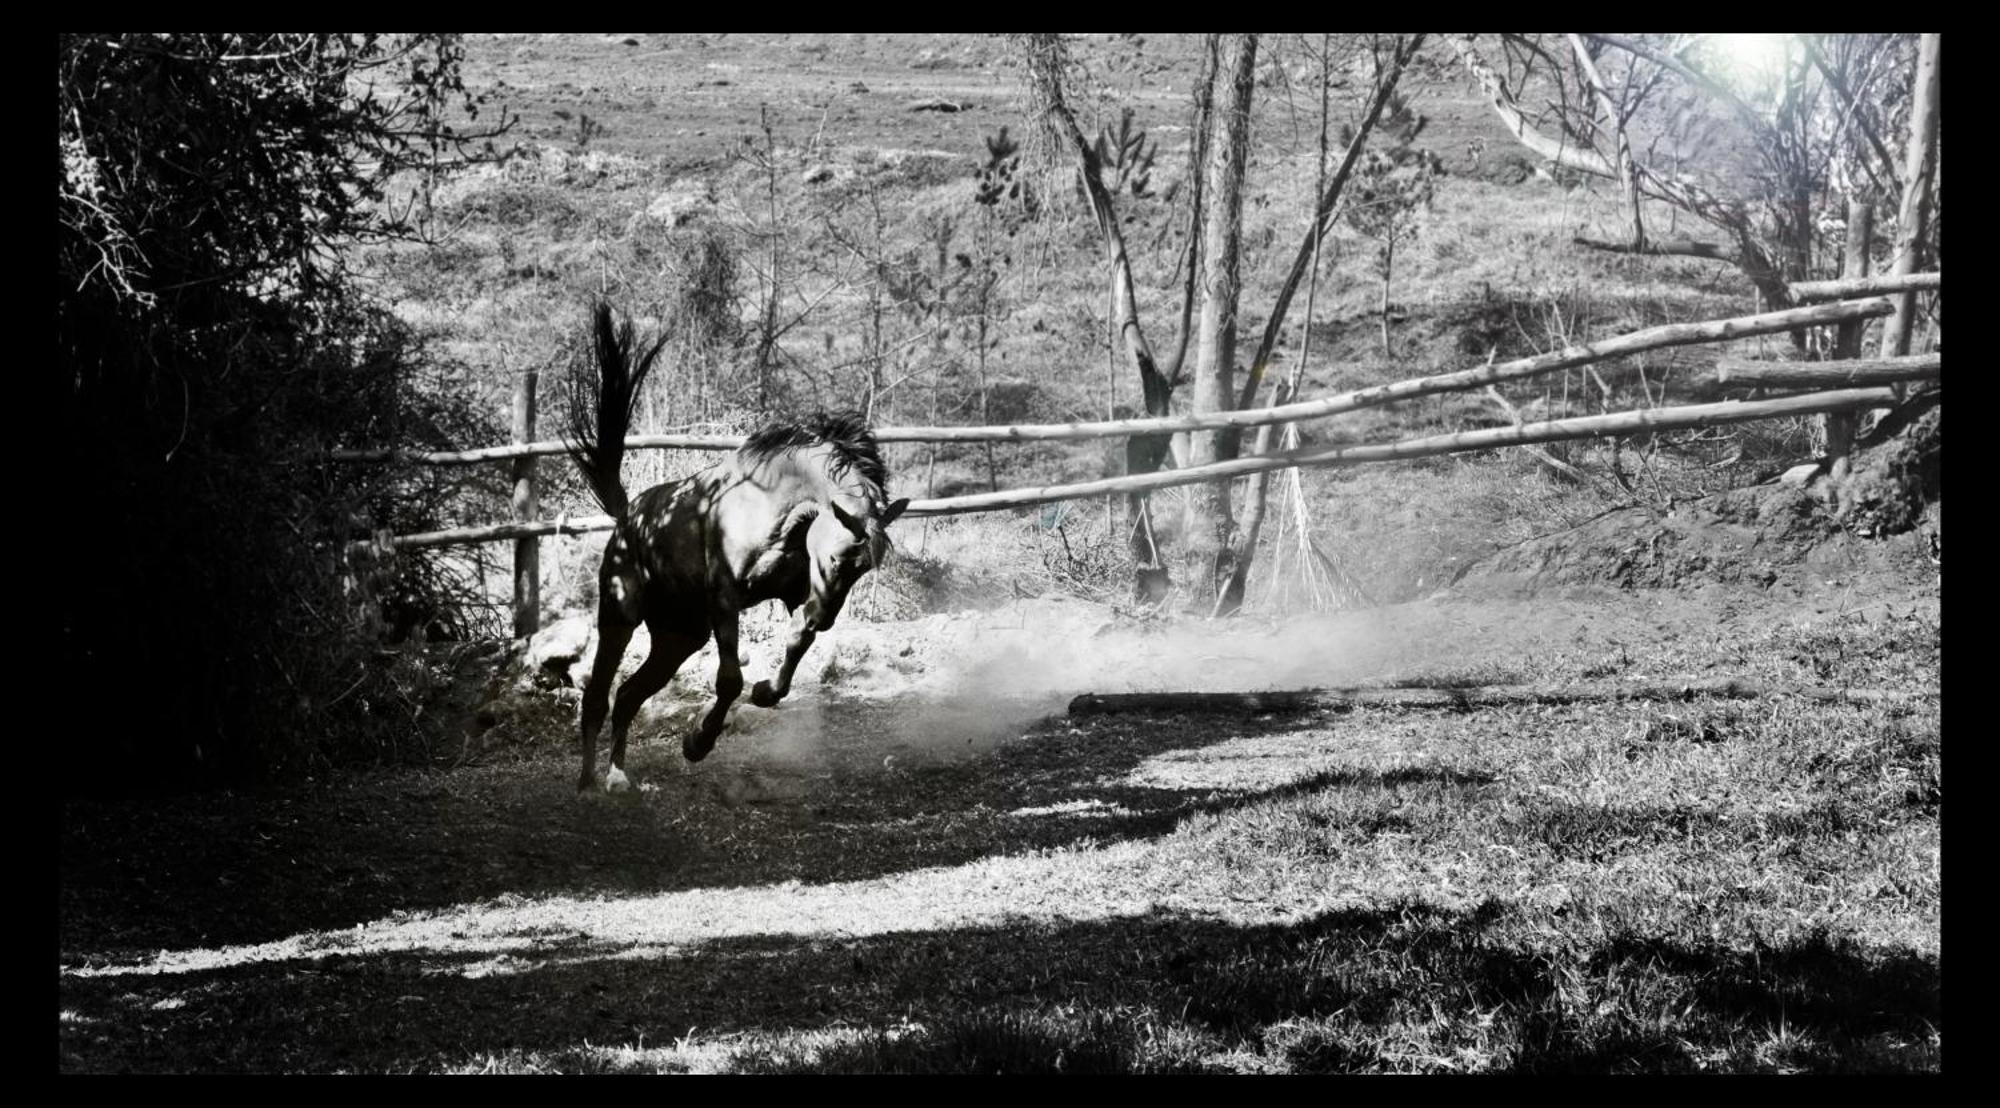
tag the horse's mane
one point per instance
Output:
(847, 432)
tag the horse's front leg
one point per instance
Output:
(728, 684)
(766, 694)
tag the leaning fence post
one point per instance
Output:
(527, 507)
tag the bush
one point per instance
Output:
(207, 187)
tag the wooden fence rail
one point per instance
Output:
(1852, 373)
(1846, 288)
(1652, 338)
(1842, 376)
(1583, 427)
(1556, 430)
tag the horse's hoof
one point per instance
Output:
(762, 696)
(615, 781)
(696, 747)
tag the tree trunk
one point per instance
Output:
(1919, 167)
(1231, 598)
(1211, 530)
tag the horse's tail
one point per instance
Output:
(601, 401)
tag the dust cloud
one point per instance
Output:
(964, 682)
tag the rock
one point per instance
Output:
(552, 654)
(1799, 476)
(682, 202)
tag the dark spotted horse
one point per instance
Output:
(797, 514)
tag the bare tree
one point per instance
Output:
(1218, 160)
(1047, 62)
(1391, 59)
(1810, 128)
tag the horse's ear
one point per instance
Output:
(895, 509)
(858, 527)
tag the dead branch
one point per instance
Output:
(1686, 248)
(1566, 470)
(1463, 698)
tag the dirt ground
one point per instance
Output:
(923, 780)
(950, 722)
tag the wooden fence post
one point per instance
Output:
(1840, 426)
(527, 507)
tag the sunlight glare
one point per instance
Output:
(1753, 58)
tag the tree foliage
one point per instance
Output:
(207, 186)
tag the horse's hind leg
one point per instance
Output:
(613, 633)
(670, 649)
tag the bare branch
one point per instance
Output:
(1627, 177)
(1860, 118)
(1758, 125)
(1045, 59)
(1323, 217)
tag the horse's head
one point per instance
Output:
(841, 545)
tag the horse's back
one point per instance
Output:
(656, 558)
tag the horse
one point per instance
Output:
(798, 514)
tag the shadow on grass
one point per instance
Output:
(233, 868)
(1403, 987)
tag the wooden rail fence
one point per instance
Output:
(1834, 387)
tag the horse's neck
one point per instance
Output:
(800, 478)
